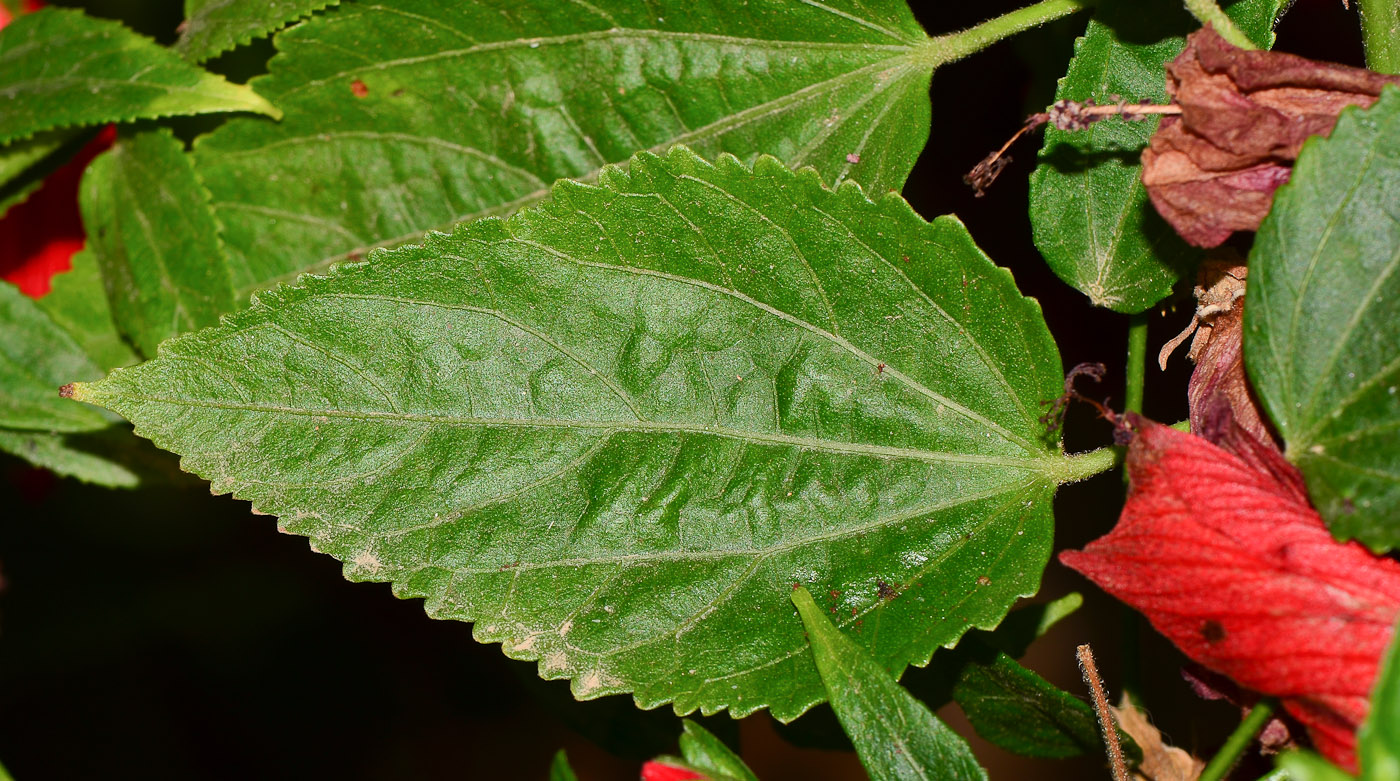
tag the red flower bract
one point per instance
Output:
(658, 771)
(1220, 549)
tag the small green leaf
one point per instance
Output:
(61, 68)
(1303, 765)
(1090, 216)
(77, 303)
(894, 735)
(560, 770)
(37, 357)
(1322, 325)
(615, 429)
(1378, 740)
(1019, 711)
(24, 164)
(451, 111)
(151, 228)
(215, 26)
(708, 754)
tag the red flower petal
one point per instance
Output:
(1221, 551)
(656, 771)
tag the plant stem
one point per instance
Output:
(1137, 362)
(1380, 29)
(954, 46)
(1082, 466)
(1224, 759)
(1108, 726)
(1207, 12)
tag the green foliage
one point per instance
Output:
(701, 750)
(32, 368)
(1089, 210)
(1323, 321)
(451, 111)
(560, 770)
(215, 26)
(1019, 711)
(151, 228)
(640, 412)
(894, 735)
(60, 68)
(22, 157)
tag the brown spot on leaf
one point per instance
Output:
(885, 590)
(983, 580)
(359, 89)
(66, 391)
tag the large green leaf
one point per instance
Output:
(60, 68)
(154, 235)
(419, 114)
(1090, 216)
(215, 26)
(1322, 328)
(894, 735)
(617, 428)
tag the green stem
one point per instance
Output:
(1207, 12)
(1137, 362)
(1082, 466)
(954, 46)
(1380, 29)
(1250, 726)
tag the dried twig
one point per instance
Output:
(1065, 115)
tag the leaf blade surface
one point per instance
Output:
(1321, 326)
(615, 429)
(213, 27)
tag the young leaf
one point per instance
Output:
(1090, 216)
(60, 68)
(1323, 324)
(77, 303)
(1014, 708)
(894, 735)
(560, 770)
(154, 235)
(451, 111)
(707, 753)
(616, 428)
(215, 26)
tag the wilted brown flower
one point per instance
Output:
(1213, 169)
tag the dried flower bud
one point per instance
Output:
(1245, 115)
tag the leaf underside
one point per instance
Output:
(61, 68)
(421, 114)
(1323, 322)
(1090, 216)
(614, 430)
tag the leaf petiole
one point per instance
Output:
(1380, 29)
(1207, 12)
(1244, 734)
(943, 49)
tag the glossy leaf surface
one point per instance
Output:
(150, 226)
(895, 735)
(1323, 323)
(450, 111)
(61, 68)
(1090, 216)
(707, 753)
(615, 429)
(212, 27)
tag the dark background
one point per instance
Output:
(166, 634)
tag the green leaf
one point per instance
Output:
(1090, 216)
(215, 26)
(21, 169)
(1378, 740)
(77, 303)
(615, 429)
(37, 357)
(1302, 765)
(1322, 328)
(708, 754)
(60, 68)
(894, 735)
(156, 242)
(1014, 708)
(559, 769)
(474, 109)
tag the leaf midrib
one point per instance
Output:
(1045, 464)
